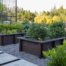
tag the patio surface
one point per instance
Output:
(10, 60)
(13, 49)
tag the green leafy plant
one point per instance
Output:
(57, 56)
(3, 32)
(37, 31)
(1, 27)
(6, 26)
(16, 26)
(9, 32)
(14, 31)
(13, 26)
(25, 26)
(57, 29)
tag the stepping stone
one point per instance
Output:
(1, 52)
(5, 58)
(20, 63)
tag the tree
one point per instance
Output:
(43, 12)
(51, 14)
(19, 9)
(25, 15)
(0, 6)
(47, 13)
(56, 18)
(54, 7)
(61, 7)
(36, 13)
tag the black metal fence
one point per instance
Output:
(8, 11)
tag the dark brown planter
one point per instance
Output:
(6, 39)
(58, 41)
(19, 35)
(36, 47)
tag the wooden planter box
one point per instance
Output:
(6, 39)
(19, 35)
(36, 47)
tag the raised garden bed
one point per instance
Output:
(36, 47)
(6, 39)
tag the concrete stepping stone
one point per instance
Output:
(20, 63)
(4, 58)
(1, 52)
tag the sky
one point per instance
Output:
(40, 5)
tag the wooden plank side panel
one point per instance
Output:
(58, 42)
(30, 44)
(62, 41)
(20, 45)
(17, 35)
(46, 47)
(31, 47)
(31, 50)
(0, 40)
(8, 39)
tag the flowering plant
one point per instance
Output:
(4, 33)
(40, 39)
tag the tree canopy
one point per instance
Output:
(52, 16)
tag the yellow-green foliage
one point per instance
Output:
(16, 25)
(49, 20)
(9, 32)
(57, 56)
(46, 19)
(43, 19)
(56, 18)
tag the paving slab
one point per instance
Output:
(20, 63)
(1, 52)
(4, 58)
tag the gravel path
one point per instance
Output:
(13, 49)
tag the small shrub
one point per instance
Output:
(9, 32)
(25, 26)
(57, 57)
(14, 31)
(16, 25)
(1, 27)
(37, 31)
(57, 29)
(3, 32)
(6, 26)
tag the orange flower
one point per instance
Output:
(40, 39)
(4, 33)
